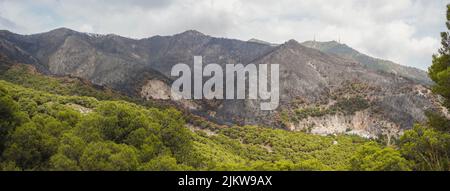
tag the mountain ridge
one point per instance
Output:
(308, 77)
(343, 50)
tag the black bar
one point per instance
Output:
(171, 180)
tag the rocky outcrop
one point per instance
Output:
(155, 89)
(362, 123)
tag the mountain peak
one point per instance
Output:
(291, 43)
(62, 31)
(191, 33)
(327, 45)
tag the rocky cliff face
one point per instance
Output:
(320, 92)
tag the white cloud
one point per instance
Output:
(405, 31)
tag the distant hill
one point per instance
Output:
(345, 51)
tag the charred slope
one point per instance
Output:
(345, 51)
(320, 92)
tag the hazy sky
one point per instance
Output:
(404, 31)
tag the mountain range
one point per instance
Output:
(325, 87)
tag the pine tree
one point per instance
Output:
(439, 71)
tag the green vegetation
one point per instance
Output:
(311, 112)
(43, 131)
(345, 106)
(26, 76)
(370, 157)
(439, 71)
(52, 127)
(428, 145)
(58, 131)
(350, 105)
(50, 133)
